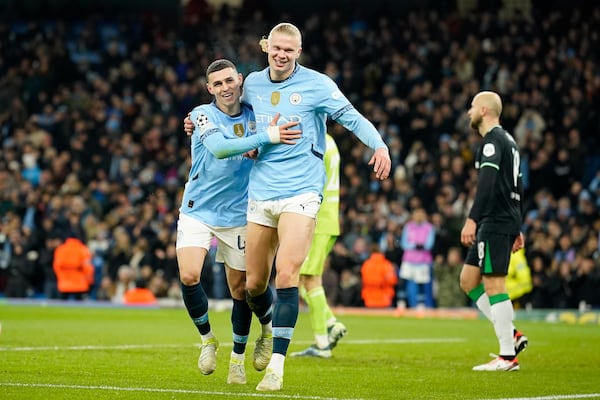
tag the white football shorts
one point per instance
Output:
(267, 212)
(231, 241)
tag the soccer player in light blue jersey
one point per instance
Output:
(286, 182)
(214, 206)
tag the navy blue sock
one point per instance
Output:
(241, 318)
(261, 305)
(196, 302)
(285, 315)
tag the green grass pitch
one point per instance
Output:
(74, 352)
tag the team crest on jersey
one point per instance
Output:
(238, 129)
(489, 149)
(295, 98)
(252, 126)
(275, 97)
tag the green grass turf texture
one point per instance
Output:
(74, 352)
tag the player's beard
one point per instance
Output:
(476, 123)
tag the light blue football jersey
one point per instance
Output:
(309, 97)
(216, 192)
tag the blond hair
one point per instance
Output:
(283, 27)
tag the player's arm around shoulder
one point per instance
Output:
(188, 124)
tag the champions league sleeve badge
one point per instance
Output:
(202, 121)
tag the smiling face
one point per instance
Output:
(226, 87)
(283, 51)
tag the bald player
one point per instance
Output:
(492, 229)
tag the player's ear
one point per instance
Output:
(241, 78)
(209, 88)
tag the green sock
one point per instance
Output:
(317, 304)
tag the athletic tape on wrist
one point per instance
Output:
(273, 132)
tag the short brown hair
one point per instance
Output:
(218, 65)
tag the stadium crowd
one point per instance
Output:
(93, 146)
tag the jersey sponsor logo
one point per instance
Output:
(265, 119)
(238, 130)
(336, 95)
(489, 149)
(252, 126)
(295, 98)
(275, 97)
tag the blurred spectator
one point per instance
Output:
(518, 279)
(447, 273)
(530, 127)
(350, 289)
(73, 268)
(139, 295)
(586, 281)
(416, 270)
(378, 280)
(125, 281)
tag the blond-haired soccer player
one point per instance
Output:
(286, 182)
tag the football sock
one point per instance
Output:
(329, 317)
(502, 317)
(276, 363)
(482, 301)
(316, 309)
(196, 303)
(240, 357)
(241, 318)
(261, 306)
(285, 315)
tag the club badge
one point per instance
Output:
(295, 98)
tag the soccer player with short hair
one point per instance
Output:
(214, 206)
(286, 182)
(492, 229)
(326, 328)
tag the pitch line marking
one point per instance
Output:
(226, 344)
(158, 390)
(555, 397)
